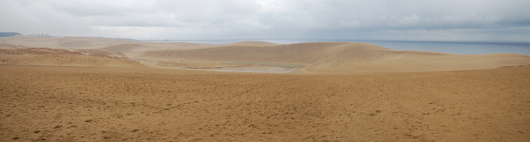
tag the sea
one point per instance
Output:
(456, 47)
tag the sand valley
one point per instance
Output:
(99, 89)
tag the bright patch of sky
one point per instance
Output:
(449, 20)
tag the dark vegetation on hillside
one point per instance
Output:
(8, 34)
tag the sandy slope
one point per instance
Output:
(343, 57)
(42, 103)
(99, 91)
(60, 57)
(319, 57)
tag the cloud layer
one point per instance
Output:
(507, 20)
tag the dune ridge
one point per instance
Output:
(316, 57)
(60, 57)
(343, 57)
(97, 89)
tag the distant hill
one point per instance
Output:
(337, 57)
(8, 34)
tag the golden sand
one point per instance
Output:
(60, 93)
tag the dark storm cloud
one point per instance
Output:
(229, 19)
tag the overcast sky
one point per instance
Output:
(474, 20)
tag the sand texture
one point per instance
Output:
(97, 89)
(117, 104)
(316, 57)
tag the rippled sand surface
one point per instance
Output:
(344, 92)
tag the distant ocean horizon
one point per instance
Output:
(455, 47)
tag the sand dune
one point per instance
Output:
(60, 57)
(304, 53)
(317, 57)
(343, 57)
(41, 103)
(64, 42)
(253, 43)
(123, 48)
(97, 89)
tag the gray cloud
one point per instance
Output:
(272, 19)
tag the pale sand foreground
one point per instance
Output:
(47, 103)
(93, 91)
